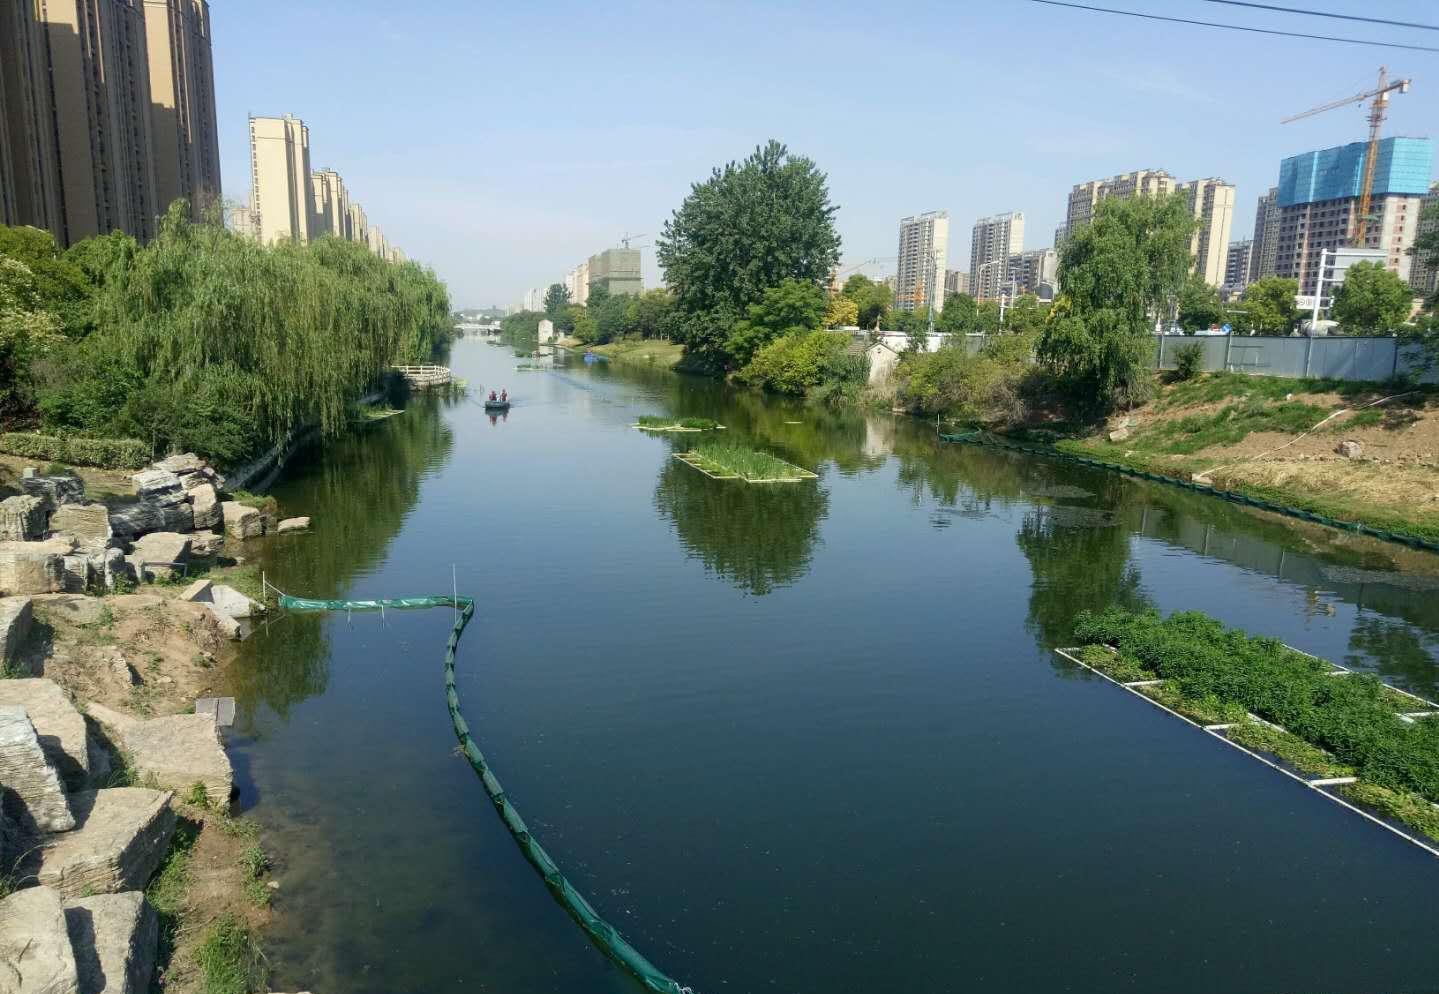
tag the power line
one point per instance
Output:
(1323, 13)
(1237, 27)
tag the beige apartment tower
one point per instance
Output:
(281, 199)
(923, 262)
(994, 241)
(332, 204)
(182, 103)
(29, 167)
(359, 224)
(1084, 198)
(1211, 201)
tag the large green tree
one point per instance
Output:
(1117, 275)
(60, 286)
(749, 227)
(960, 315)
(1025, 316)
(793, 307)
(871, 299)
(650, 314)
(1371, 300)
(1426, 245)
(1269, 305)
(1199, 306)
(557, 299)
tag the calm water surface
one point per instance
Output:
(796, 738)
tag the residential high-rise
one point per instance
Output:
(242, 221)
(577, 282)
(1236, 264)
(182, 103)
(993, 242)
(1319, 198)
(1423, 278)
(1029, 272)
(1266, 236)
(281, 194)
(956, 281)
(617, 270)
(923, 252)
(359, 224)
(332, 204)
(1211, 201)
(29, 168)
(1084, 197)
(1061, 235)
(377, 241)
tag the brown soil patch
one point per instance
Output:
(99, 483)
(1408, 489)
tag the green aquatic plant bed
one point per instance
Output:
(649, 422)
(727, 461)
(1348, 721)
(1290, 748)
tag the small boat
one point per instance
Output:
(497, 405)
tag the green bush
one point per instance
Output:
(1188, 361)
(106, 453)
(796, 362)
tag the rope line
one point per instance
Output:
(601, 932)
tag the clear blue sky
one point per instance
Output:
(501, 143)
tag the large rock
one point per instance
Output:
(158, 553)
(33, 796)
(293, 525)
(34, 567)
(227, 626)
(181, 465)
(177, 751)
(114, 937)
(36, 956)
(1350, 449)
(151, 516)
(121, 836)
(16, 614)
(154, 482)
(89, 523)
(77, 572)
(225, 599)
(205, 506)
(242, 520)
(22, 519)
(59, 727)
(206, 544)
(58, 490)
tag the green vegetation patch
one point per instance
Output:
(1401, 805)
(1206, 710)
(230, 959)
(106, 453)
(1230, 425)
(726, 460)
(1125, 669)
(1349, 717)
(1290, 748)
(651, 422)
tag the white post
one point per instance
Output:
(1318, 290)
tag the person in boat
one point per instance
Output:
(492, 395)
(504, 396)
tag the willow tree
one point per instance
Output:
(1117, 276)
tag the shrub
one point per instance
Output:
(1188, 361)
(106, 453)
(796, 362)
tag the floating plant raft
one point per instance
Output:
(649, 422)
(725, 461)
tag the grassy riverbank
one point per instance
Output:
(645, 351)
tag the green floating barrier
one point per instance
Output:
(601, 932)
(1403, 538)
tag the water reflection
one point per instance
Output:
(757, 537)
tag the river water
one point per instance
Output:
(799, 738)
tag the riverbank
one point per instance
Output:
(645, 351)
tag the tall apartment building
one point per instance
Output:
(923, 253)
(1030, 271)
(332, 204)
(617, 270)
(359, 224)
(377, 242)
(281, 194)
(1061, 235)
(1423, 278)
(242, 221)
(106, 113)
(1211, 201)
(1319, 199)
(992, 243)
(1266, 236)
(1236, 264)
(182, 103)
(956, 281)
(577, 282)
(1084, 197)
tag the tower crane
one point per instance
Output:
(1378, 109)
(626, 238)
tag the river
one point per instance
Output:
(795, 738)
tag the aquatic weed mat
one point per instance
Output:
(1335, 789)
(729, 462)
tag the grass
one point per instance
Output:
(260, 502)
(229, 958)
(1207, 710)
(1401, 805)
(1125, 669)
(1228, 426)
(649, 351)
(1290, 748)
(728, 460)
(657, 423)
(166, 890)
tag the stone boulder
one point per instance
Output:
(23, 518)
(290, 525)
(206, 544)
(89, 523)
(1350, 449)
(155, 482)
(176, 751)
(121, 835)
(227, 626)
(205, 506)
(16, 614)
(151, 516)
(114, 937)
(158, 552)
(242, 521)
(36, 956)
(33, 797)
(1119, 434)
(225, 599)
(184, 464)
(58, 490)
(59, 726)
(34, 567)
(77, 609)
